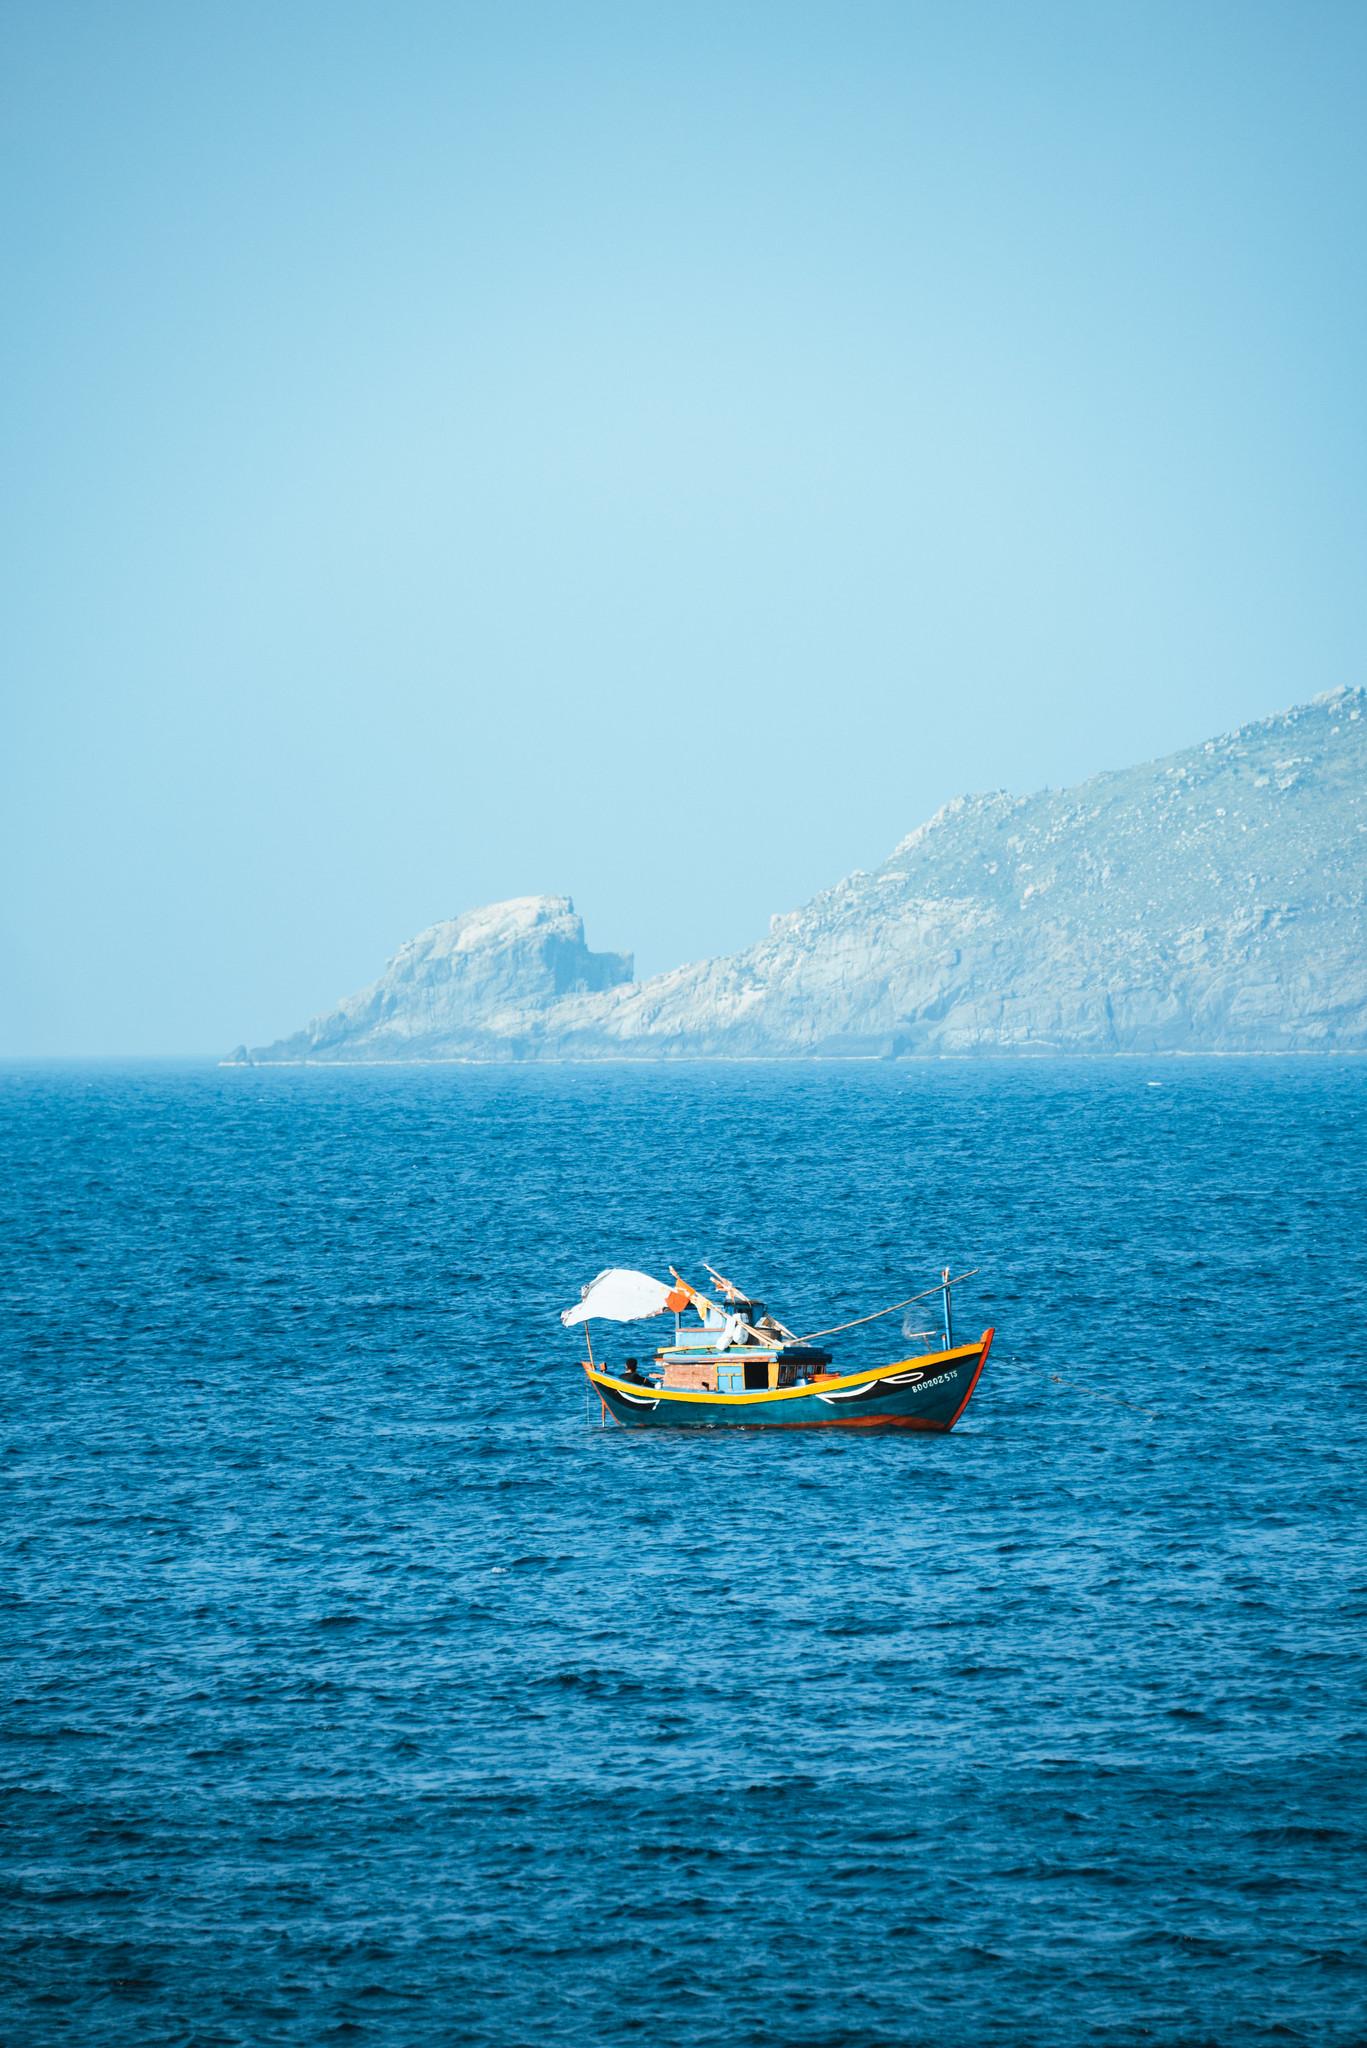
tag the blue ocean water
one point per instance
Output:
(358, 1686)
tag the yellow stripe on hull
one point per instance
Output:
(927, 1361)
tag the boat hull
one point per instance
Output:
(927, 1393)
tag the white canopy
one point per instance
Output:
(619, 1296)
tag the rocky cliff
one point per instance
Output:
(474, 987)
(1212, 901)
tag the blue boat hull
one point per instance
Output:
(930, 1393)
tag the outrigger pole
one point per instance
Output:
(942, 1287)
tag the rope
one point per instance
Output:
(836, 1328)
(1081, 1387)
(1056, 1379)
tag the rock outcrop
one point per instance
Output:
(1213, 901)
(474, 987)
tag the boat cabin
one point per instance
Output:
(726, 1354)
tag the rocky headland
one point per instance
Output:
(1214, 901)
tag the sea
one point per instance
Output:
(360, 1686)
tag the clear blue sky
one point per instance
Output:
(653, 453)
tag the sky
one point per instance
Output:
(656, 454)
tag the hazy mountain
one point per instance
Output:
(1212, 901)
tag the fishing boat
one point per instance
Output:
(737, 1366)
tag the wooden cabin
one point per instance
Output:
(699, 1359)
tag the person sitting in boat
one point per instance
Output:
(632, 1371)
